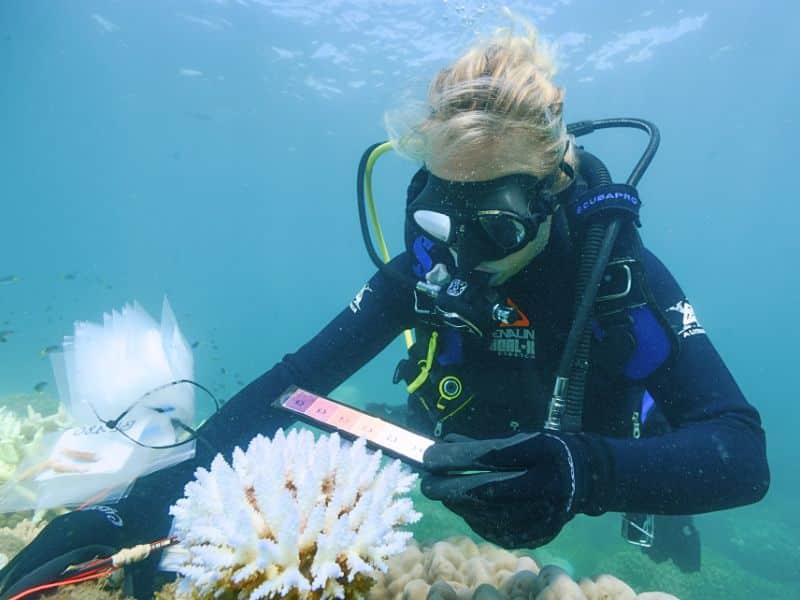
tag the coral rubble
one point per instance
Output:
(13, 539)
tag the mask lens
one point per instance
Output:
(504, 230)
(435, 223)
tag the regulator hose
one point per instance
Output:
(566, 405)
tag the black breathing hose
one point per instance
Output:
(582, 128)
(599, 241)
(575, 358)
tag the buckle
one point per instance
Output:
(617, 280)
(639, 529)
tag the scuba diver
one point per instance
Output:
(557, 363)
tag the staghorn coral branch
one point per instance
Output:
(292, 517)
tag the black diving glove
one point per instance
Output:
(82, 535)
(515, 492)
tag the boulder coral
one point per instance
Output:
(460, 569)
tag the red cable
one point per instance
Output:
(87, 572)
(62, 582)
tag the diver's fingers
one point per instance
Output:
(457, 437)
(474, 488)
(476, 455)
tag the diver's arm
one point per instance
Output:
(380, 311)
(358, 333)
(378, 314)
(715, 456)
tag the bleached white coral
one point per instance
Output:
(20, 434)
(292, 516)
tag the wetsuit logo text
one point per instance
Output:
(623, 196)
(515, 343)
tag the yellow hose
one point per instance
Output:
(426, 365)
(373, 213)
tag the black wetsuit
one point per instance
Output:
(714, 458)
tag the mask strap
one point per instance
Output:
(565, 167)
(547, 183)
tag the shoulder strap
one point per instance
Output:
(632, 329)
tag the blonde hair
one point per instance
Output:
(499, 92)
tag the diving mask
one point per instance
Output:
(483, 220)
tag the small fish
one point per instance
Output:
(39, 387)
(195, 344)
(5, 333)
(10, 279)
(48, 350)
(70, 276)
(223, 370)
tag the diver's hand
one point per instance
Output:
(74, 538)
(69, 539)
(515, 492)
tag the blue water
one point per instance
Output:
(207, 150)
